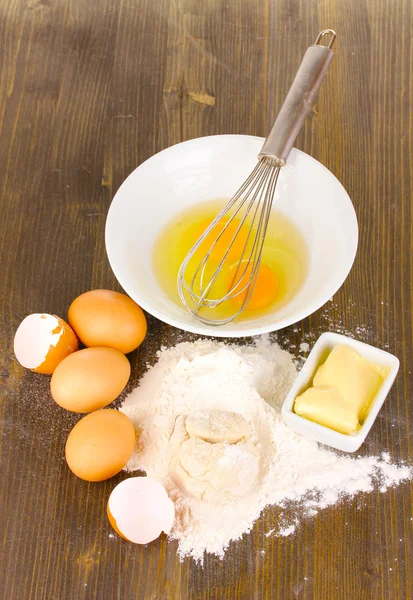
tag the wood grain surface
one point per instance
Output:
(89, 90)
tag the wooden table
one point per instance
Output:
(89, 90)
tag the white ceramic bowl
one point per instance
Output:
(214, 167)
(324, 345)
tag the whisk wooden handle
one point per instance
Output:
(298, 102)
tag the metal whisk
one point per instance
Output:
(249, 209)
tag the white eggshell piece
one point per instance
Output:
(142, 509)
(34, 337)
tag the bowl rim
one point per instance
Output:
(212, 330)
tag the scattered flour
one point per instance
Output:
(304, 347)
(340, 319)
(285, 532)
(182, 444)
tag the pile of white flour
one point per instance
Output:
(222, 468)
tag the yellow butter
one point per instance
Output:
(342, 391)
(325, 406)
(355, 378)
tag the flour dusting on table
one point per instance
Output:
(221, 471)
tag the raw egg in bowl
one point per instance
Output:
(164, 205)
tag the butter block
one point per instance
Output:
(324, 405)
(356, 379)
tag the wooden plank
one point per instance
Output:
(89, 91)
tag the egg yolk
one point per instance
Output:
(238, 245)
(222, 244)
(265, 290)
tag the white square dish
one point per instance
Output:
(322, 348)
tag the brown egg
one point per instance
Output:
(90, 379)
(100, 445)
(107, 318)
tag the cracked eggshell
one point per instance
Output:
(42, 341)
(139, 509)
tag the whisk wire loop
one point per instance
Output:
(254, 199)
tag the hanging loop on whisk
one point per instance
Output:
(323, 34)
(297, 104)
